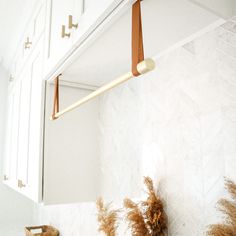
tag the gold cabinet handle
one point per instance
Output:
(71, 25)
(63, 32)
(5, 177)
(28, 43)
(21, 184)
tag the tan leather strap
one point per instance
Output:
(56, 98)
(137, 37)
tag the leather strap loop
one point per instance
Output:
(56, 98)
(137, 37)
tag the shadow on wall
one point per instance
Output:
(15, 210)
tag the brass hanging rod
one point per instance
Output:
(143, 67)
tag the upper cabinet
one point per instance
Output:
(22, 168)
(69, 23)
(33, 32)
(11, 141)
(59, 38)
(22, 162)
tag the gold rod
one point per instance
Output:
(143, 67)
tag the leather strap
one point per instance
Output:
(137, 37)
(56, 98)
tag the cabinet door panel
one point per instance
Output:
(22, 164)
(60, 11)
(9, 130)
(35, 124)
(14, 145)
(39, 23)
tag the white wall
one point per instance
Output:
(15, 210)
(177, 125)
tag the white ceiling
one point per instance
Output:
(13, 17)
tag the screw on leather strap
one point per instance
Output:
(137, 37)
(56, 97)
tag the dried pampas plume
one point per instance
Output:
(147, 218)
(154, 214)
(228, 208)
(231, 187)
(135, 219)
(107, 218)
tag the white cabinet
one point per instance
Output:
(70, 23)
(23, 138)
(22, 169)
(29, 152)
(58, 42)
(31, 36)
(11, 148)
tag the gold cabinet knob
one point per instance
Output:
(28, 43)
(21, 184)
(63, 32)
(71, 24)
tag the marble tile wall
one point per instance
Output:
(177, 125)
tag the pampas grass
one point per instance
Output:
(228, 208)
(146, 218)
(154, 214)
(107, 218)
(135, 219)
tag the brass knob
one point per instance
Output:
(63, 32)
(71, 25)
(28, 43)
(21, 184)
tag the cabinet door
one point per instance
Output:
(29, 153)
(39, 22)
(35, 29)
(22, 163)
(15, 131)
(8, 140)
(35, 128)
(59, 15)
(11, 145)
